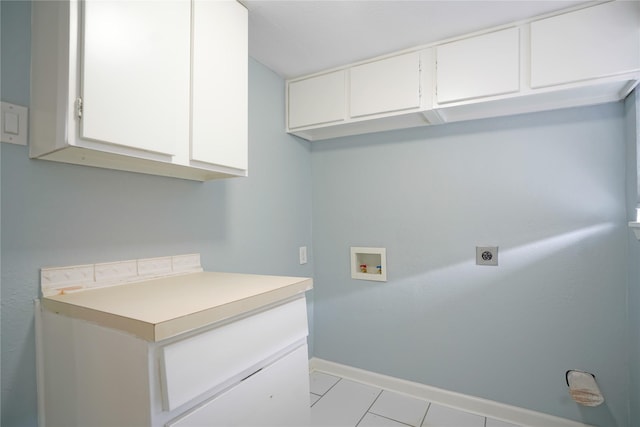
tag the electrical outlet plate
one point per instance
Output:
(13, 123)
(486, 255)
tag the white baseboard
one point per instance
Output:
(476, 405)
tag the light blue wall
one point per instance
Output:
(548, 189)
(632, 134)
(55, 214)
(15, 46)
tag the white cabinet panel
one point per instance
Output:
(195, 365)
(481, 66)
(583, 57)
(317, 100)
(162, 86)
(133, 96)
(220, 129)
(277, 392)
(385, 86)
(595, 42)
(82, 376)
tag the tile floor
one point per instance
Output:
(341, 402)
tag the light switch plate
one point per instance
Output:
(302, 252)
(487, 255)
(14, 120)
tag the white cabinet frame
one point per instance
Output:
(146, 128)
(499, 71)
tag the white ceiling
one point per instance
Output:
(299, 37)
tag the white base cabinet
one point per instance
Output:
(157, 87)
(251, 370)
(276, 395)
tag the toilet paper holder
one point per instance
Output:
(583, 387)
(566, 375)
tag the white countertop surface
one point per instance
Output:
(161, 308)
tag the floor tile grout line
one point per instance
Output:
(334, 384)
(317, 400)
(331, 388)
(391, 419)
(424, 417)
(328, 390)
(368, 411)
(370, 406)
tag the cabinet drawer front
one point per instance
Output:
(278, 395)
(317, 100)
(485, 65)
(195, 365)
(598, 41)
(386, 86)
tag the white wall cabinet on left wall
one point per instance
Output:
(156, 87)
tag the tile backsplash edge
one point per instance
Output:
(60, 280)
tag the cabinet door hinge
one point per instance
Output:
(79, 108)
(419, 77)
(435, 90)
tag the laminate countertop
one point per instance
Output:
(158, 309)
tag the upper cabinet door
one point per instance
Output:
(385, 86)
(219, 86)
(480, 66)
(317, 100)
(598, 41)
(135, 73)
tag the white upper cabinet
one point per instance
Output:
(586, 56)
(480, 66)
(595, 42)
(148, 108)
(157, 87)
(317, 100)
(385, 86)
(219, 88)
(373, 96)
